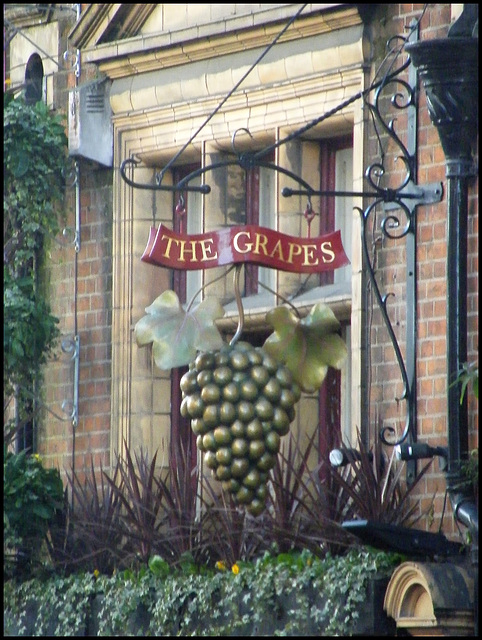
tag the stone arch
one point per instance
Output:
(430, 598)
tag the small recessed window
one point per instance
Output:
(34, 75)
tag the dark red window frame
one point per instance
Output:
(251, 286)
(329, 406)
(329, 432)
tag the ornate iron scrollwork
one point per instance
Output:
(244, 160)
(399, 204)
(399, 222)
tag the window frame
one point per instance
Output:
(330, 395)
(328, 151)
(331, 432)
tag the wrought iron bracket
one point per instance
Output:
(398, 204)
(405, 198)
(244, 160)
(414, 196)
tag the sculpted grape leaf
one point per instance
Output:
(178, 335)
(308, 347)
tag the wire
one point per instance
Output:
(443, 512)
(361, 94)
(239, 304)
(21, 33)
(258, 60)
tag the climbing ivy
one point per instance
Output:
(292, 594)
(34, 156)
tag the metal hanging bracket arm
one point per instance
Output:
(244, 160)
(428, 194)
(400, 201)
(132, 162)
(418, 195)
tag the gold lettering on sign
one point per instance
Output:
(326, 250)
(278, 252)
(261, 242)
(207, 250)
(250, 243)
(189, 247)
(309, 260)
(247, 246)
(167, 251)
(294, 250)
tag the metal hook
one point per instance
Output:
(233, 139)
(309, 215)
(239, 304)
(181, 212)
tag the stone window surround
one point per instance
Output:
(154, 114)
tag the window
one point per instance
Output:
(336, 174)
(343, 207)
(250, 196)
(34, 76)
(260, 210)
(187, 218)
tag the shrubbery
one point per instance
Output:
(119, 521)
(122, 519)
(284, 594)
(34, 157)
(168, 553)
(32, 495)
(156, 551)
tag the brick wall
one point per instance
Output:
(81, 286)
(82, 295)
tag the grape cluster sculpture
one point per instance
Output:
(240, 398)
(241, 402)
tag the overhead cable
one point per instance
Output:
(258, 60)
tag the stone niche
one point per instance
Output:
(431, 599)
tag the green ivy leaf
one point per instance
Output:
(33, 199)
(23, 164)
(308, 347)
(158, 566)
(42, 511)
(178, 335)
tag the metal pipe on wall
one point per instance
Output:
(448, 68)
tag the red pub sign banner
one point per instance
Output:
(246, 243)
